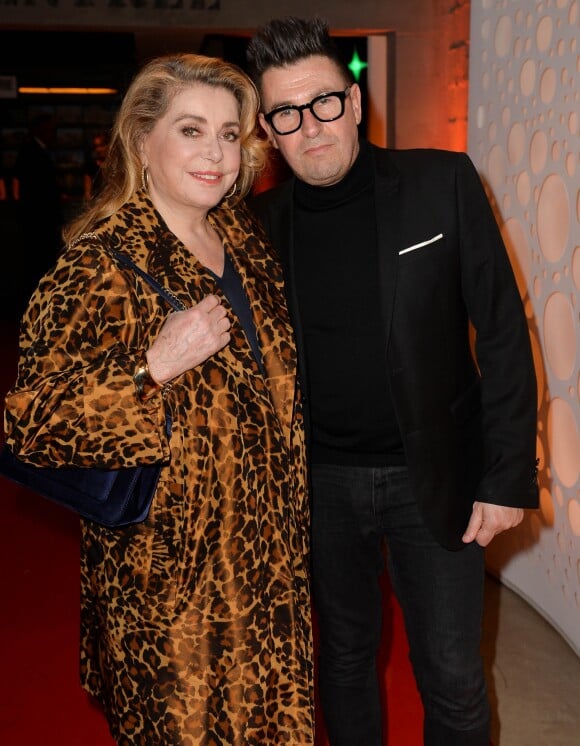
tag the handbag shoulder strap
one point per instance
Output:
(172, 299)
(166, 294)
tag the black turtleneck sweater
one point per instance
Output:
(336, 276)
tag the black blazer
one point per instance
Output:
(468, 430)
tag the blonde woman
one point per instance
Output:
(195, 622)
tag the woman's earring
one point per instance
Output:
(231, 192)
(145, 179)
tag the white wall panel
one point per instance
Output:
(524, 105)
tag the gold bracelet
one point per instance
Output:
(145, 384)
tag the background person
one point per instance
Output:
(195, 623)
(388, 255)
(36, 189)
(92, 175)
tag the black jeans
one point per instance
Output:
(355, 509)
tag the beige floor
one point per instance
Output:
(534, 675)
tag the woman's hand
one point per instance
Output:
(188, 338)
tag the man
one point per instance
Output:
(388, 255)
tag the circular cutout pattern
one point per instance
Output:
(503, 36)
(553, 218)
(544, 33)
(564, 441)
(538, 151)
(523, 188)
(560, 336)
(528, 77)
(516, 143)
(574, 516)
(548, 84)
(496, 166)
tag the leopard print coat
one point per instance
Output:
(195, 624)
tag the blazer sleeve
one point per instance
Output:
(502, 348)
(74, 401)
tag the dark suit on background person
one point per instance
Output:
(40, 209)
(413, 444)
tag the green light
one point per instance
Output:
(356, 65)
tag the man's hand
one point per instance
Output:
(487, 520)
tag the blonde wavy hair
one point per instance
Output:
(146, 101)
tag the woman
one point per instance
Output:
(196, 622)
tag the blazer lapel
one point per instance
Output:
(387, 208)
(280, 228)
(283, 388)
(282, 233)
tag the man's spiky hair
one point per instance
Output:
(284, 41)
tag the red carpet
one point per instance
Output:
(41, 701)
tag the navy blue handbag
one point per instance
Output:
(113, 498)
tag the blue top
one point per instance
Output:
(232, 288)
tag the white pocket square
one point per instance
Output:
(416, 246)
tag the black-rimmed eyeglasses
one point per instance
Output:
(326, 108)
